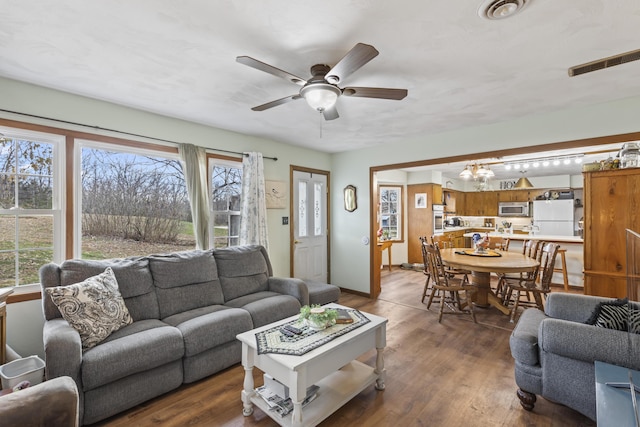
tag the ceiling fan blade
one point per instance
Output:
(375, 92)
(353, 60)
(258, 65)
(276, 102)
(331, 113)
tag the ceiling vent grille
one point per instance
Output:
(604, 63)
(500, 9)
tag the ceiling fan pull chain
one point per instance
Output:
(320, 116)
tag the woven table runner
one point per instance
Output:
(274, 341)
(472, 252)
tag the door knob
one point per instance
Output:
(295, 242)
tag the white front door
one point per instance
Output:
(309, 222)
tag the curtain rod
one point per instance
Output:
(123, 132)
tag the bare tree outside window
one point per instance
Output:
(133, 205)
(26, 209)
(226, 184)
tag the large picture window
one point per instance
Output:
(30, 205)
(391, 212)
(133, 202)
(225, 185)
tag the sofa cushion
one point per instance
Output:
(524, 338)
(138, 347)
(243, 270)
(267, 307)
(134, 281)
(184, 281)
(93, 307)
(208, 327)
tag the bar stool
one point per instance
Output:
(562, 269)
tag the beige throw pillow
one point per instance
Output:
(94, 307)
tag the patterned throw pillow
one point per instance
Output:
(94, 307)
(611, 315)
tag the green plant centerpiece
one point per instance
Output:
(317, 317)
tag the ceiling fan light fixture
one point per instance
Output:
(320, 96)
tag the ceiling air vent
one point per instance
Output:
(500, 9)
(600, 64)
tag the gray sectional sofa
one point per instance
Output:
(555, 351)
(187, 309)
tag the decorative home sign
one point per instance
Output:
(276, 194)
(421, 200)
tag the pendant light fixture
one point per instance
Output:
(523, 182)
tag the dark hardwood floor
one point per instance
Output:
(456, 373)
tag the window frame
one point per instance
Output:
(80, 143)
(212, 161)
(58, 199)
(399, 214)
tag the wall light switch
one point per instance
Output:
(285, 220)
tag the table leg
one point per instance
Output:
(485, 296)
(248, 390)
(380, 371)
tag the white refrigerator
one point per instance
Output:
(553, 217)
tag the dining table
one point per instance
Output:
(482, 265)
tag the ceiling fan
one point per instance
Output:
(321, 91)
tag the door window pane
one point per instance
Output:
(317, 208)
(302, 209)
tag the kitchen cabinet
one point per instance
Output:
(450, 198)
(457, 238)
(515, 196)
(481, 203)
(611, 205)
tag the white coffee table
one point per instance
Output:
(331, 366)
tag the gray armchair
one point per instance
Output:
(555, 351)
(51, 403)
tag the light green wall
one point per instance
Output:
(39, 101)
(350, 257)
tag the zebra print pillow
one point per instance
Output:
(611, 315)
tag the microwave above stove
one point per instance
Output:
(514, 209)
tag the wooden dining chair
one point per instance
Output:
(425, 269)
(499, 243)
(529, 248)
(441, 242)
(455, 294)
(529, 286)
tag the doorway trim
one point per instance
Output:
(375, 257)
(292, 169)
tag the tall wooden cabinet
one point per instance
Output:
(611, 205)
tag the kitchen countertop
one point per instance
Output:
(545, 237)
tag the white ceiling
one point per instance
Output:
(178, 59)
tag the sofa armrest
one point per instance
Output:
(573, 307)
(589, 343)
(51, 403)
(290, 286)
(62, 349)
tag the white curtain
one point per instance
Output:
(253, 205)
(194, 165)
